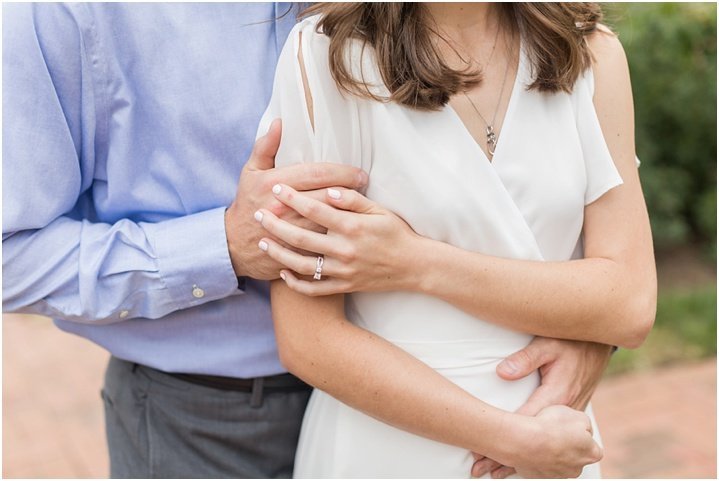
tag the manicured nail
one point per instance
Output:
(334, 193)
(263, 246)
(258, 216)
(508, 366)
(283, 276)
(276, 189)
(363, 178)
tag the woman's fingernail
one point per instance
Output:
(258, 216)
(276, 189)
(334, 193)
(363, 178)
(283, 276)
(263, 246)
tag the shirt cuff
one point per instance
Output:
(193, 257)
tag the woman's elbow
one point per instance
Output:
(639, 318)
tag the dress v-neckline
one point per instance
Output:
(464, 131)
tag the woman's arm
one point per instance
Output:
(366, 372)
(608, 297)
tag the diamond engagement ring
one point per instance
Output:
(318, 269)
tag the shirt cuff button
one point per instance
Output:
(124, 314)
(197, 292)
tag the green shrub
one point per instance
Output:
(671, 49)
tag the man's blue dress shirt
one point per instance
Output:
(125, 127)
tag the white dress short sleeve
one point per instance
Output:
(336, 133)
(602, 174)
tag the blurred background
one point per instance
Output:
(657, 405)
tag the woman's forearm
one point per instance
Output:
(378, 378)
(608, 297)
(593, 299)
(370, 374)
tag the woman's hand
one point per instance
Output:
(556, 443)
(366, 248)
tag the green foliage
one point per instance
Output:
(671, 48)
(685, 328)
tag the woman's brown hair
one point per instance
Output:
(411, 66)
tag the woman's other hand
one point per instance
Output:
(366, 248)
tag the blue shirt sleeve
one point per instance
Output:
(56, 262)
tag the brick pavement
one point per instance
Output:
(659, 424)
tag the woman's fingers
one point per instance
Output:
(315, 288)
(294, 235)
(347, 199)
(312, 209)
(589, 427)
(299, 263)
(597, 453)
(331, 214)
(304, 265)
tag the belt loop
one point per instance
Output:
(257, 388)
(134, 367)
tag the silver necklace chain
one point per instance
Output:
(492, 137)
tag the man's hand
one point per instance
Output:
(366, 247)
(254, 191)
(570, 372)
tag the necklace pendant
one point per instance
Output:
(491, 140)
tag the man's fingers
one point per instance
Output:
(350, 200)
(503, 472)
(541, 398)
(318, 175)
(523, 362)
(484, 466)
(265, 149)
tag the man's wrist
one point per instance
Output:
(192, 256)
(230, 231)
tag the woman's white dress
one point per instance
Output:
(528, 203)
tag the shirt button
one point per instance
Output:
(124, 314)
(197, 292)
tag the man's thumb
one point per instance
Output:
(263, 154)
(519, 364)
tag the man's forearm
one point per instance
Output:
(101, 273)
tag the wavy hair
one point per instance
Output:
(412, 68)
